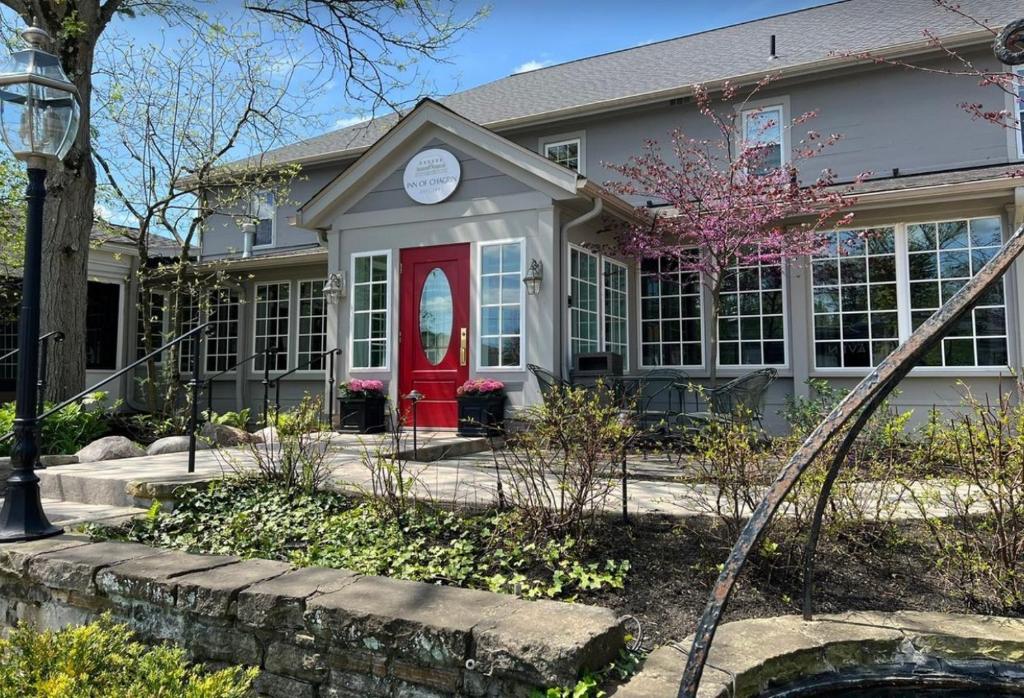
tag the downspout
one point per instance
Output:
(563, 239)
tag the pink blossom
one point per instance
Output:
(480, 386)
(361, 386)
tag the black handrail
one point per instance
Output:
(130, 367)
(209, 381)
(41, 339)
(330, 402)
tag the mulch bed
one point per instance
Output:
(673, 567)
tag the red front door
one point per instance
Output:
(434, 322)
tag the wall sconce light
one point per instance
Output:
(533, 277)
(336, 288)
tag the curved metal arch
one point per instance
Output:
(863, 399)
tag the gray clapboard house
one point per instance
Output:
(430, 222)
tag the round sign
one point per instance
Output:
(432, 176)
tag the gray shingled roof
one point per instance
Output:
(802, 37)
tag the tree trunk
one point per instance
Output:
(716, 309)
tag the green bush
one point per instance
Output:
(102, 660)
(257, 518)
(68, 430)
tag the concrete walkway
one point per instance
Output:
(654, 485)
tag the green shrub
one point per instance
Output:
(102, 660)
(492, 550)
(68, 430)
(238, 420)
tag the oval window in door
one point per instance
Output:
(436, 317)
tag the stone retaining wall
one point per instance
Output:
(315, 632)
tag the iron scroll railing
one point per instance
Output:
(329, 354)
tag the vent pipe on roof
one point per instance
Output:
(772, 56)
(248, 239)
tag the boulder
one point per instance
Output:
(110, 448)
(265, 435)
(223, 435)
(174, 444)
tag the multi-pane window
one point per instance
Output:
(856, 322)
(670, 321)
(264, 210)
(941, 258)
(1019, 102)
(616, 307)
(271, 327)
(565, 153)
(584, 308)
(501, 289)
(188, 319)
(762, 129)
(8, 338)
(157, 334)
(222, 337)
(370, 312)
(751, 331)
(312, 325)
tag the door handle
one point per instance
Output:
(463, 347)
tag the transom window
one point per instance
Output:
(312, 325)
(942, 257)
(222, 344)
(670, 314)
(854, 298)
(864, 305)
(762, 128)
(371, 284)
(501, 296)
(566, 153)
(271, 328)
(751, 330)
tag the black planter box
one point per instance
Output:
(362, 415)
(481, 415)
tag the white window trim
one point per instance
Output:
(759, 105)
(238, 338)
(600, 301)
(352, 313)
(1017, 134)
(903, 311)
(702, 367)
(273, 223)
(785, 366)
(158, 360)
(478, 341)
(578, 137)
(291, 316)
(298, 334)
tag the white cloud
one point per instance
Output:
(349, 121)
(531, 65)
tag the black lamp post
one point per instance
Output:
(38, 122)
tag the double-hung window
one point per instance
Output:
(271, 327)
(264, 210)
(371, 296)
(598, 311)
(188, 319)
(670, 314)
(157, 330)
(501, 304)
(312, 325)
(567, 153)
(873, 287)
(763, 130)
(751, 326)
(222, 342)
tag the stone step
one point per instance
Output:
(430, 445)
(69, 514)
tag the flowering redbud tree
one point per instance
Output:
(733, 199)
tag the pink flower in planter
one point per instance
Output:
(480, 386)
(358, 386)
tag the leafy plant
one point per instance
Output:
(238, 420)
(592, 683)
(102, 660)
(67, 430)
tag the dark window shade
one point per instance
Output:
(103, 307)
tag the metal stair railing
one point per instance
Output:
(44, 355)
(330, 354)
(194, 334)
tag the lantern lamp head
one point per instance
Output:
(39, 108)
(335, 288)
(534, 275)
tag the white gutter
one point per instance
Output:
(563, 236)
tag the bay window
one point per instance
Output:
(598, 309)
(670, 314)
(751, 326)
(872, 287)
(371, 314)
(501, 303)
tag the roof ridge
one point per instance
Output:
(664, 41)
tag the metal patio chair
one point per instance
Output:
(546, 380)
(740, 398)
